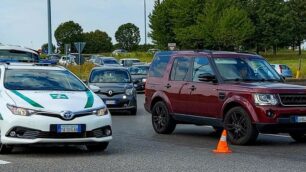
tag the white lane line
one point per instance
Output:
(4, 162)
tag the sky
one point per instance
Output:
(24, 22)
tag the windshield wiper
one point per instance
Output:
(269, 80)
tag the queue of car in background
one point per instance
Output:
(102, 61)
(139, 75)
(18, 54)
(116, 88)
(119, 51)
(67, 60)
(283, 70)
(127, 62)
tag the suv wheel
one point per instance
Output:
(97, 147)
(240, 129)
(298, 136)
(162, 121)
(5, 149)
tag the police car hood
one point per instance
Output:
(55, 101)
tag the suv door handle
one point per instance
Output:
(192, 88)
(168, 86)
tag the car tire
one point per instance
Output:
(133, 111)
(162, 121)
(298, 136)
(5, 149)
(97, 147)
(240, 130)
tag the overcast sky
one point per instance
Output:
(24, 22)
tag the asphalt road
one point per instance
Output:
(136, 147)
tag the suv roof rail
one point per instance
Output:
(247, 52)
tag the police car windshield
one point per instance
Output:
(37, 79)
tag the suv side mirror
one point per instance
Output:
(207, 77)
(94, 88)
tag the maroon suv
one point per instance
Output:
(240, 92)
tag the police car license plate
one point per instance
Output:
(68, 128)
(300, 119)
(110, 102)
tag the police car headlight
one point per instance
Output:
(20, 111)
(129, 91)
(265, 99)
(101, 112)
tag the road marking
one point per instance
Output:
(4, 162)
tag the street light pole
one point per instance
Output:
(50, 51)
(145, 20)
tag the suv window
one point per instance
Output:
(180, 68)
(201, 65)
(159, 66)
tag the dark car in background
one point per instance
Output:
(101, 61)
(116, 88)
(139, 76)
(18, 54)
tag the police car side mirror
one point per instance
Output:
(94, 88)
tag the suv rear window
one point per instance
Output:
(159, 66)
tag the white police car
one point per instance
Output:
(48, 104)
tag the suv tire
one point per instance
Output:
(298, 136)
(97, 147)
(162, 121)
(239, 126)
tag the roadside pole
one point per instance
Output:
(80, 46)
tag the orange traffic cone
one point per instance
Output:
(222, 145)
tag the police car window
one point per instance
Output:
(201, 65)
(36, 79)
(180, 68)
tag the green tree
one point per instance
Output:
(161, 24)
(68, 33)
(128, 36)
(44, 47)
(296, 18)
(270, 23)
(184, 15)
(224, 25)
(97, 42)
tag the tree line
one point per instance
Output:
(229, 24)
(98, 41)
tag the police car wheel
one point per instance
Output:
(97, 147)
(5, 149)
